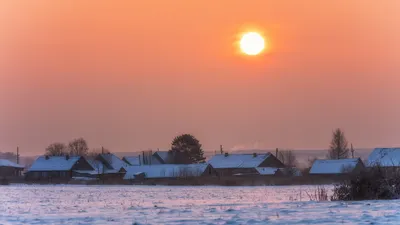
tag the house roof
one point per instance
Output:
(165, 170)
(8, 163)
(238, 160)
(138, 160)
(113, 161)
(165, 156)
(384, 157)
(336, 166)
(267, 170)
(54, 163)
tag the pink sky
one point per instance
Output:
(131, 75)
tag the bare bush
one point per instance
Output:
(319, 194)
(375, 183)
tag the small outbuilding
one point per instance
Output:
(336, 166)
(10, 169)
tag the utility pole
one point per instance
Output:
(352, 151)
(17, 155)
(220, 148)
(276, 154)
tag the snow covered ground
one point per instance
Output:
(65, 204)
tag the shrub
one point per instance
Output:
(374, 183)
(320, 194)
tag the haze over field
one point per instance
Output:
(132, 75)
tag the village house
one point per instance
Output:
(336, 167)
(243, 164)
(168, 171)
(10, 169)
(384, 157)
(57, 167)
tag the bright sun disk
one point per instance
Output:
(252, 43)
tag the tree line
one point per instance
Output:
(186, 149)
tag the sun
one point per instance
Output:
(252, 43)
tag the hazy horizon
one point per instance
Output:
(130, 76)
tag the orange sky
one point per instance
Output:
(131, 75)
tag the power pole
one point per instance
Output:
(352, 151)
(220, 148)
(17, 155)
(276, 154)
(102, 150)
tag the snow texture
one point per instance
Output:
(336, 166)
(386, 157)
(64, 204)
(165, 170)
(267, 170)
(8, 163)
(54, 163)
(237, 160)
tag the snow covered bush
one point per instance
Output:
(374, 183)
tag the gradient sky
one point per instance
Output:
(130, 75)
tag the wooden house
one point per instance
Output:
(243, 164)
(57, 167)
(10, 169)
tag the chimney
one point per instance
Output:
(46, 157)
(254, 154)
(67, 157)
(226, 154)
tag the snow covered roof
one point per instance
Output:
(54, 163)
(267, 170)
(336, 166)
(384, 157)
(133, 160)
(165, 156)
(8, 163)
(237, 160)
(138, 160)
(114, 162)
(165, 170)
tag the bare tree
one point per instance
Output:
(96, 152)
(338, 148)
(78, 147)
(288, 158)
(56, 149)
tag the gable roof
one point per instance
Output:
(113, 162)
(165, 170)
(8, 163)
(238, 160)
(54, 163)
(336, 166)
(165, 156)
(138, 160)
(385, 157)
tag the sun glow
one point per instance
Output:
(252, 43)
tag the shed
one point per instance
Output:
(10, 169)
(336, 166)
(168, 171)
